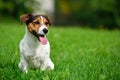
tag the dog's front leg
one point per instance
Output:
(23, 64)
(47, 65)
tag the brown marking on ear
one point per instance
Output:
(25, 17)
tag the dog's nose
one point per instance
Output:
(45, 30)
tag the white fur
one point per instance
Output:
(41, 19)
(33, 54)
(40, 30)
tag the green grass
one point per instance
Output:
(78, 54)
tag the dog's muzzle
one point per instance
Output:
(40, 37)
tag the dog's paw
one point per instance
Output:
(23, 68)
(50, 66)
(25, 71)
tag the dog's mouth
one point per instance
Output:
(41, 38)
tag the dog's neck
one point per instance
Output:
(30, 37)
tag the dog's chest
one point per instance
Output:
(39, 56)
(35, 53)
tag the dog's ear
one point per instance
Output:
(48, 19)
(25, 17)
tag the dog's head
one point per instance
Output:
(37, 25)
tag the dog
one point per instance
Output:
(34, 47)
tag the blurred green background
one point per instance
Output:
(101, 14)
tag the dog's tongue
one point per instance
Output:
(43, 40)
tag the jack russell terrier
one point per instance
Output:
(34, 47)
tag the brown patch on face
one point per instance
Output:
(46, 22)
(34, 25)
(47, 18)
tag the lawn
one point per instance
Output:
(78, 54)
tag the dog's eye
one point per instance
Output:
(36, 22)
(46, 23)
